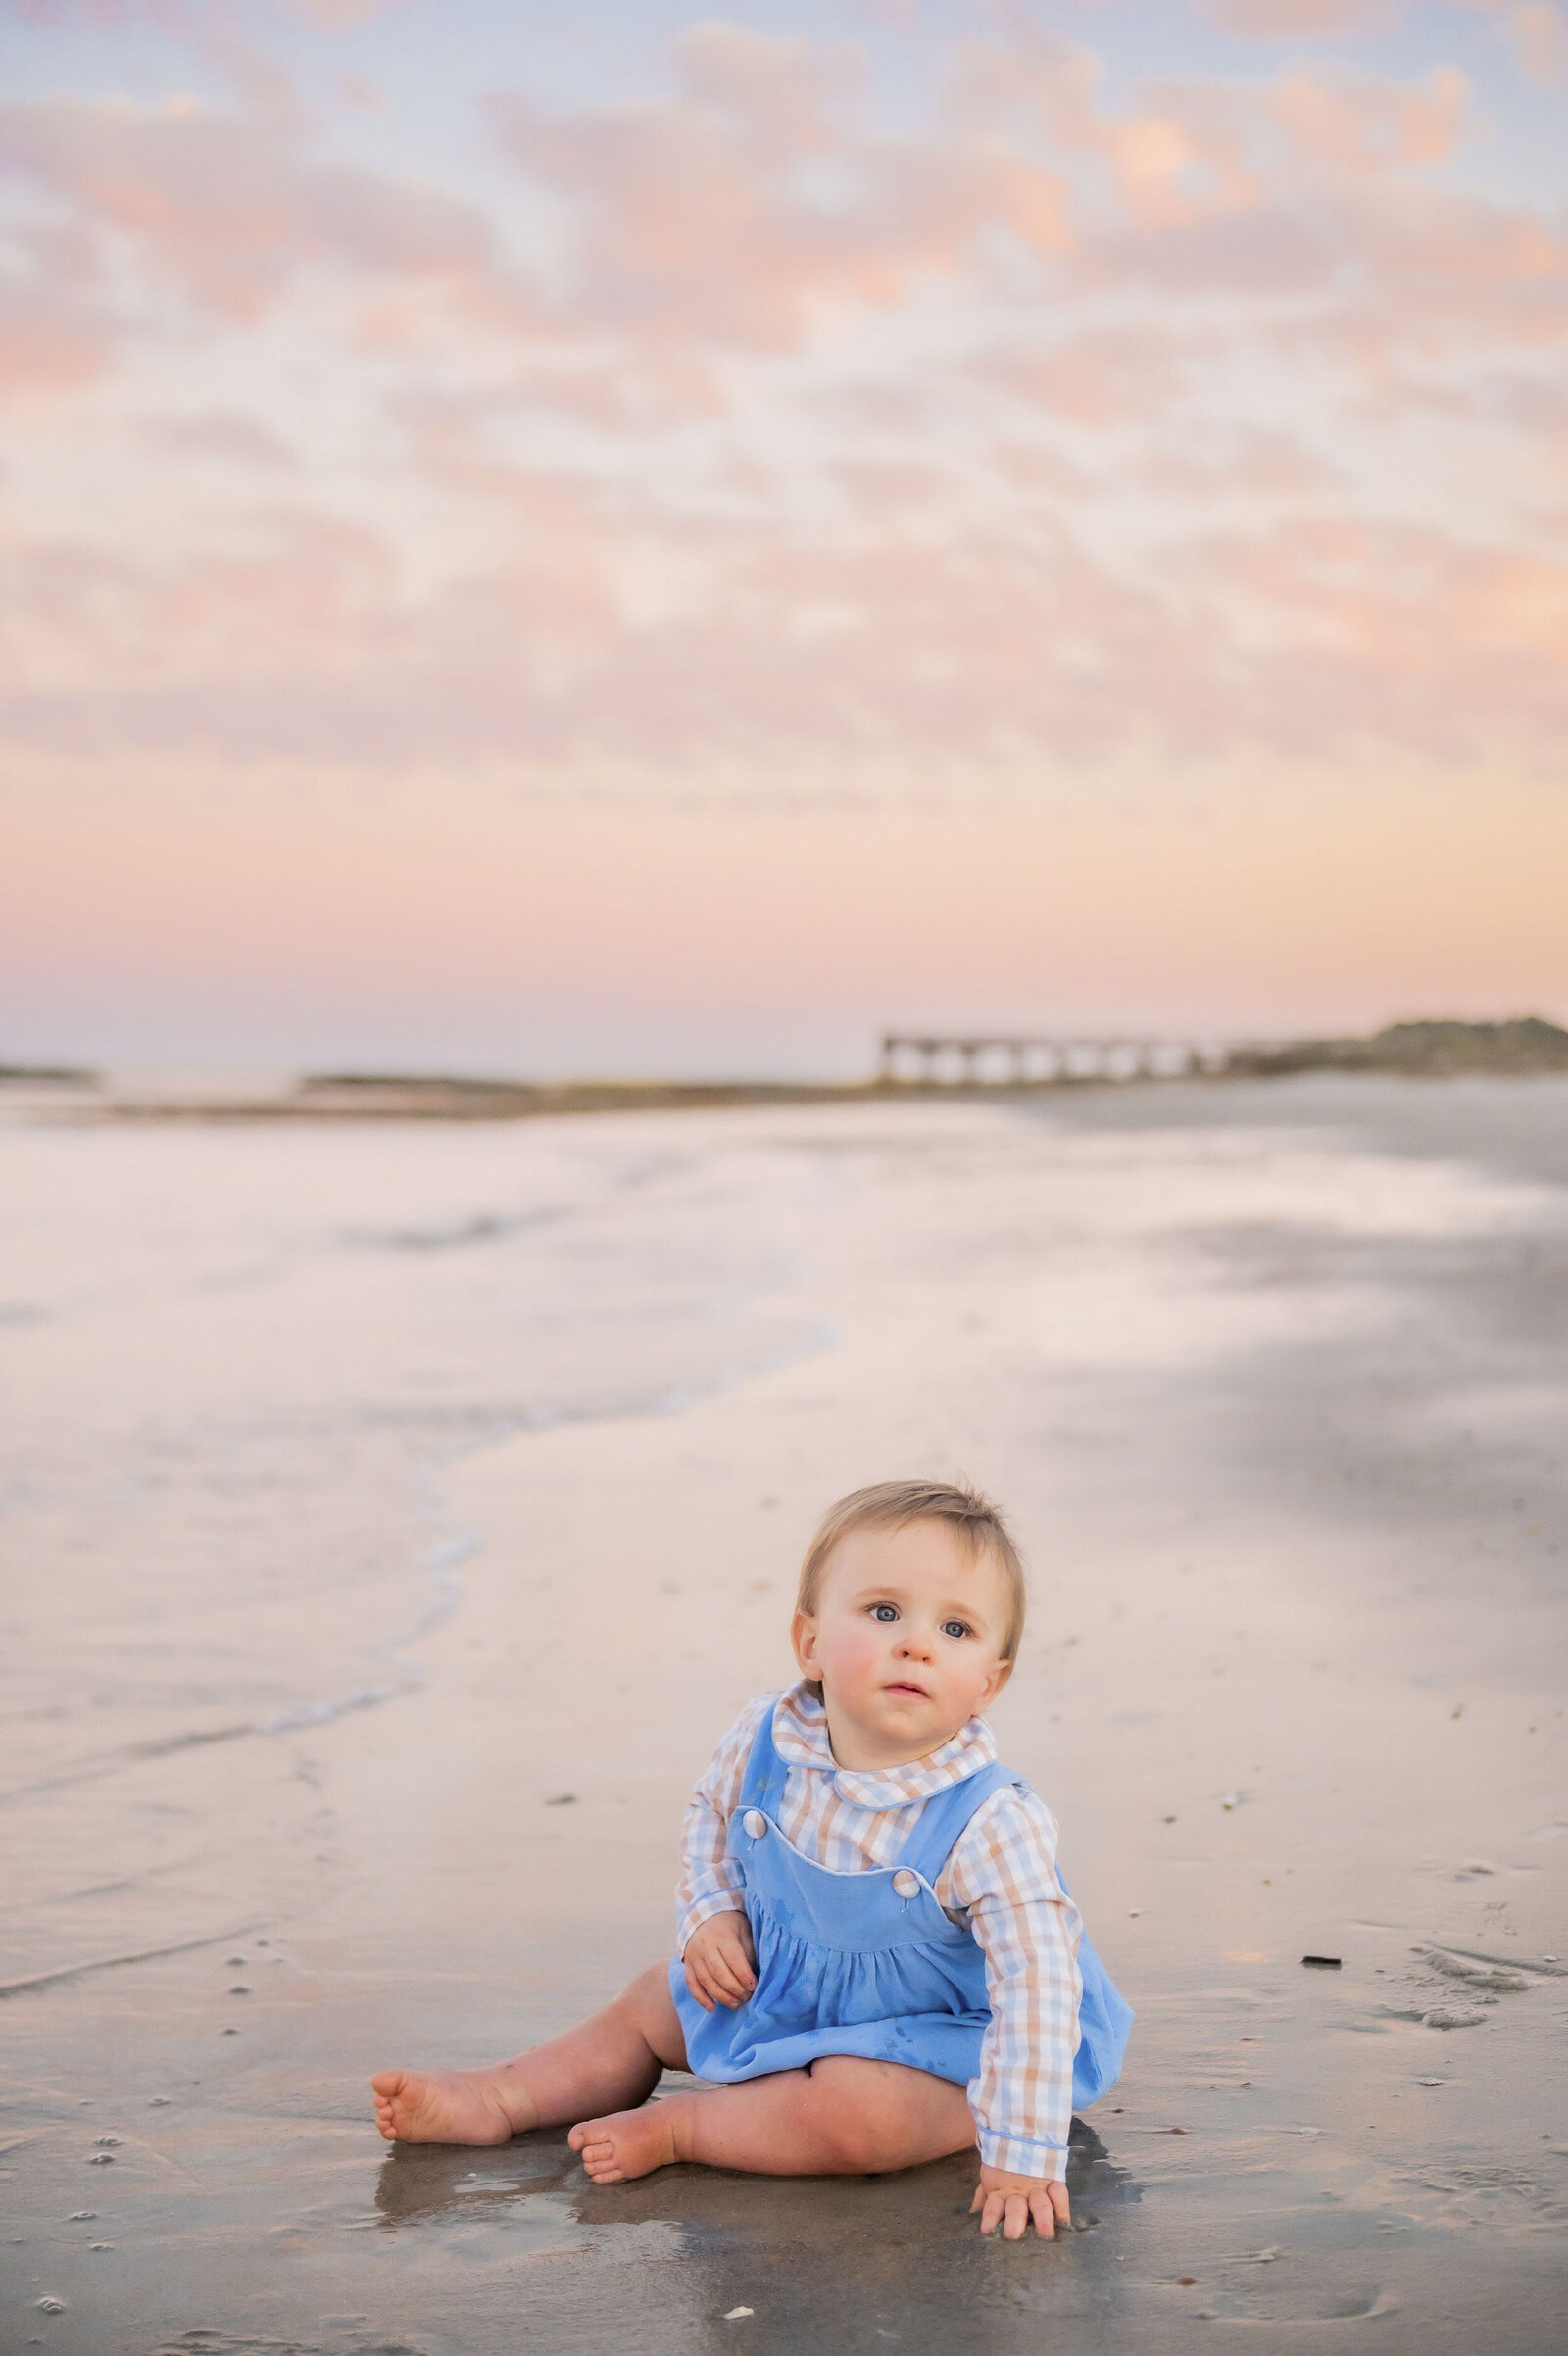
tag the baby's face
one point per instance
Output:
(906, 1640)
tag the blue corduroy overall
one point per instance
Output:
(868, 1963)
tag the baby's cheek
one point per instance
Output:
(857, 1654)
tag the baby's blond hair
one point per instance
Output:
(889, 1505)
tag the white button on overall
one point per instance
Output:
(756, 1823)
(907, 1884)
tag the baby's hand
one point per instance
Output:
(1011, 2200)
(721, 1961)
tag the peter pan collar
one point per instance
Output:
(801, 1738)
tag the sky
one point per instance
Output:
(624, 541)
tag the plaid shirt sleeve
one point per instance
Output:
(708, 1883)
(1003, 1874)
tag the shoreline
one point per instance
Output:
(461, 1101)
(1524, 1046)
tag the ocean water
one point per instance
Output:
(236, 1364)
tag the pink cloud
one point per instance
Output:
(726, 242)
(1366, 125)
(1355, 274)
(1395, 633)
(337, 16)
(1537, 32)
(1256, 466)
(181, 16)
(227, 211)
(891, 487)
(893, 559)
(52, 336)
(220, 436)
(695, 216)
(1534, 30)
(85, 623)
(1109, 377)
(1040, 467)
(747, 209)
(37, 352)
(1290, 20)
(1182, 154)
(47, 347)
(1312, 637)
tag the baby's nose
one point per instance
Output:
(917, 1645)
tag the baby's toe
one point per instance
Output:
(588, 2135)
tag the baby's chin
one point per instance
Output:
(931, 1723)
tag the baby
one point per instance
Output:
(878, 1961)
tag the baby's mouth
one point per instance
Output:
(906, 1686)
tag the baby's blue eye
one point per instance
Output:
(883, 1612)
(955, 1626)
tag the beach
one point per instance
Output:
(395, 1514)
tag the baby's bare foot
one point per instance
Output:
(440, 2106)
(628, 2143)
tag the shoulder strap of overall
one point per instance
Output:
(941, 1823)
(762, 1786)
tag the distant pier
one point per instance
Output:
(996, 1060)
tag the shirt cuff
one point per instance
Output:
(1023, 2156)
(700, 1910)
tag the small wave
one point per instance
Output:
(440, 1564)
(484, 1227)
(321, 1713)
(132, 1754)
(459, 1542)
(112, 1963)
(456, 1544)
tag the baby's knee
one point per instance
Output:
(862, 2117)
(647, 2006)
(650, 1987)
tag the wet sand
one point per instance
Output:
(1274, 1381)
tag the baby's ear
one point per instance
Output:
(802, 1636)
(999, 1674)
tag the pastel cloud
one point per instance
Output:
(1366, 125)
(1535, 32)
(222, 437)
(1293, 20)
(53, 337)
(697, 216)
(1038, 422)
(1301, 636)
(1106, 376)
(226, 211)
(1538, 34)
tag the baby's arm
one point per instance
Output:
(713, 1937)
(1003, 1872)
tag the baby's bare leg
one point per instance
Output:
(615, 2058)
(841, 2117)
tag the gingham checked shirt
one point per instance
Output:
(1000, 1879)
